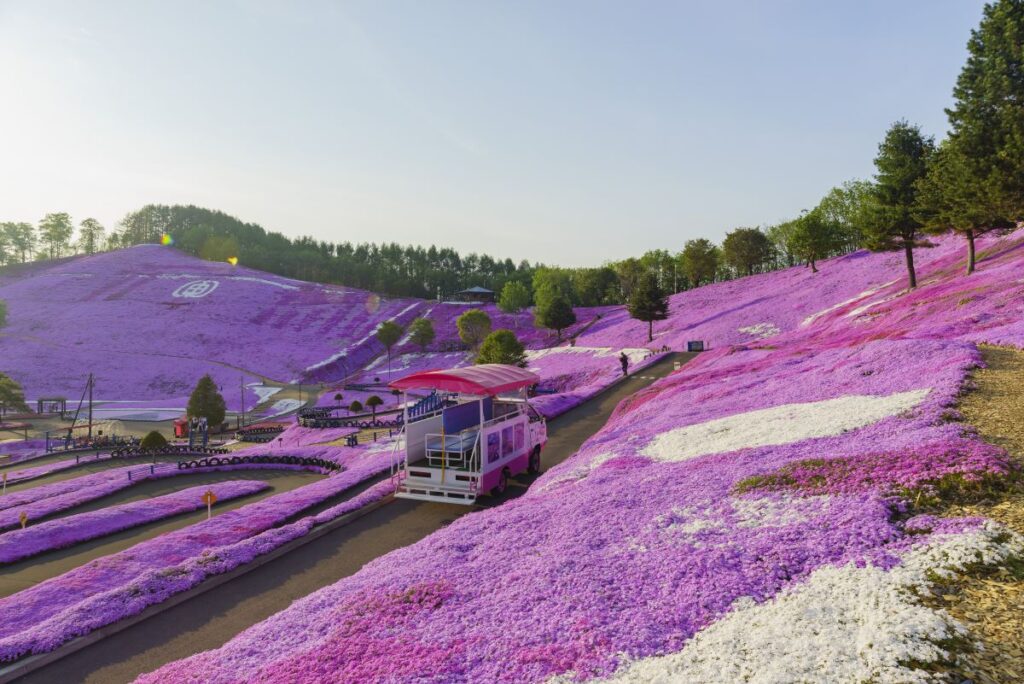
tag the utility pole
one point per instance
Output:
(90, 406)
(241, 396)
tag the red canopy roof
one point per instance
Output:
(488, 379)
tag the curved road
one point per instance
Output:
(199, 625)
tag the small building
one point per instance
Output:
(476, 294)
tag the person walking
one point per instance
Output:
(624, 361)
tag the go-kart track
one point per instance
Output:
(210, 619)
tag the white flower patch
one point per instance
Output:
(778, 511)
(760, 330)
(683, 524)
(873, 303)
(866, 293)
(579, 472)
(779, 425)
(282, 407)
(264, 281)
(262, 392)
(844, 624)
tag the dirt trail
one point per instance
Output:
(992, 605)
(209, 622)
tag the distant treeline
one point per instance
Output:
(393, 269)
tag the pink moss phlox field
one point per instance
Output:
(48, 614)
(40, 502)
(922, 468)
(576, 374)
(640, 540)
(152, 585)
(372, 494)
(54, 467)
(150, 320)
(57, 534)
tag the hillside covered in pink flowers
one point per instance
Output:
(747, 518)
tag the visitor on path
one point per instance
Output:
(624, 360)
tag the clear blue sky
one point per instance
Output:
(568, 132)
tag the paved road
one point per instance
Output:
(216, 617)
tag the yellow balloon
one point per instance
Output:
(233, 261)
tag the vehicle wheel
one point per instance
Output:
(534, 466)
(502, 484)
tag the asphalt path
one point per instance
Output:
(214, 618)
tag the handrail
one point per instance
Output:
(395, 459)
(499, 419)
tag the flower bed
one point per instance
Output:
(23, 450)
(110, 588)
(14, 476)
(57, 534)
(639, 556)
(46, 500)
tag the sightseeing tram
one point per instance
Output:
(483, 432)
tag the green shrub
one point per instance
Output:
(154, 440)
(502, 346)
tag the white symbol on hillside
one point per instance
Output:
(196, 289)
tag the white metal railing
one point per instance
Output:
(500, 419)
(398, 461)
(444, 460)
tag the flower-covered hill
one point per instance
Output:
(751, 517)
(149, 320)
(760, 306)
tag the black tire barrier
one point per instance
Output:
(308, 462)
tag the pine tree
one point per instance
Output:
(977, 181)
(902, 161)
(648, 303)
(207, 402)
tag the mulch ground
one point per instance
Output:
(992, 606)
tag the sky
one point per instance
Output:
(565, 132)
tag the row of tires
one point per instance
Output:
(259, 431)
(348, 422)
(169, 450)
(215, 461)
